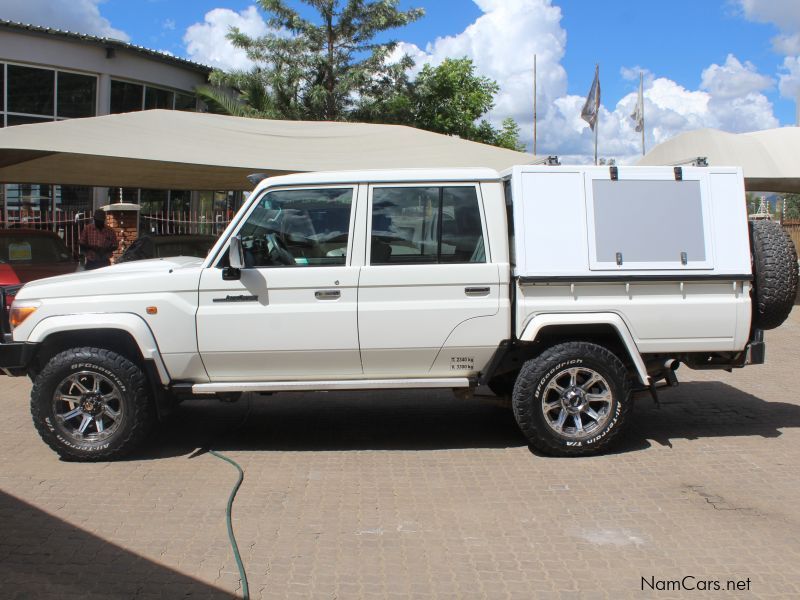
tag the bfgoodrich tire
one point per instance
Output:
(775, 273)
(91, 404)
(573, 399)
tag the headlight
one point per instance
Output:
(21, 310)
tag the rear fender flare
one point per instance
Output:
(539, 322)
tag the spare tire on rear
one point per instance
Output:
(774, 272)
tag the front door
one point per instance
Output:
(428, 295)
(292, 315)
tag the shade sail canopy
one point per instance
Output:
(166, 149)
(770, 159)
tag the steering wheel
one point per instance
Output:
(278, 252)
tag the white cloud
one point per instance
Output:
(79, 16)
(207, 43)
(734, 79)
(784, 14)
(789, 83)
(502, 43)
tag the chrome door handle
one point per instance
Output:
(327, 294)
(477, 291)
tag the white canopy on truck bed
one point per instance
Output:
(600, 222)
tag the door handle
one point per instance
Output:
(477, 291)
(327, 294)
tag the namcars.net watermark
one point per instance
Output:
(691, 583)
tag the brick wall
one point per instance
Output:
(125, 225)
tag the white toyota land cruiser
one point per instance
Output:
(567, 288)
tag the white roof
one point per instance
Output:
(386, 176)
(183, 150)
(768, 158)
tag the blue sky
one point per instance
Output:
(729, 64)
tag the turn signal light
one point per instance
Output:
(21, 311)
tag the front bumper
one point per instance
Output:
(15, 358)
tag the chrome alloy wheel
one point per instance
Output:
(87, 407)
(577, 402)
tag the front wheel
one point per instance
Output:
(92, 404)
(573, 399)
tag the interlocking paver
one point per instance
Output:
(416, 494)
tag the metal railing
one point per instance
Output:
(67, 224)
(793, 229)
(164, 223)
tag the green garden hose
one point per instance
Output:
(237, 557)
(228, 511)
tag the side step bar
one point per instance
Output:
(333, 385)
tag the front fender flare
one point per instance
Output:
(130, 323)
(539, 322)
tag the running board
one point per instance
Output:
(333, 385)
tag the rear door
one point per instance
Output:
(428, 291)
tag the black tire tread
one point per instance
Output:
(534, 369)
(775, 273)
(141, 412)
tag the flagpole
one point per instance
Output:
(597, 112)
(641, 99)
(534, 105)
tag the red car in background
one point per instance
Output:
(28, 254)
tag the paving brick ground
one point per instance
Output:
(417, 494)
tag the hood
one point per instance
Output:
(180, 273)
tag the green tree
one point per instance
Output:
(450, 98)
(312, 69)
(508, 136)
(792, 210)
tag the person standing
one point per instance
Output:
(98, 242)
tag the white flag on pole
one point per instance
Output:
(638, 113)
(592, 106)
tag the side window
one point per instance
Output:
(426, 225)
(298, 228)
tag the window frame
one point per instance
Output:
(218, 260)
(657, 176)
(54, 117)
(145, 85)
(427, 184)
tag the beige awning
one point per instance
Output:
(166, 149)
(770, 159)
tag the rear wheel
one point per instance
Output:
(92, 404)
(573, 399)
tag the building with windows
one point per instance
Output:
(49, 74)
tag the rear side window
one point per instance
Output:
(426, 225)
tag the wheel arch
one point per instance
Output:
(587, 327)
(127, 334)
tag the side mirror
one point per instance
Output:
(236, 253)
(235, 260)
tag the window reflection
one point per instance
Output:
(76, 95)
(125, 96)
(30, 90)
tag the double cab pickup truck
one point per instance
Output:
(567, 289)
